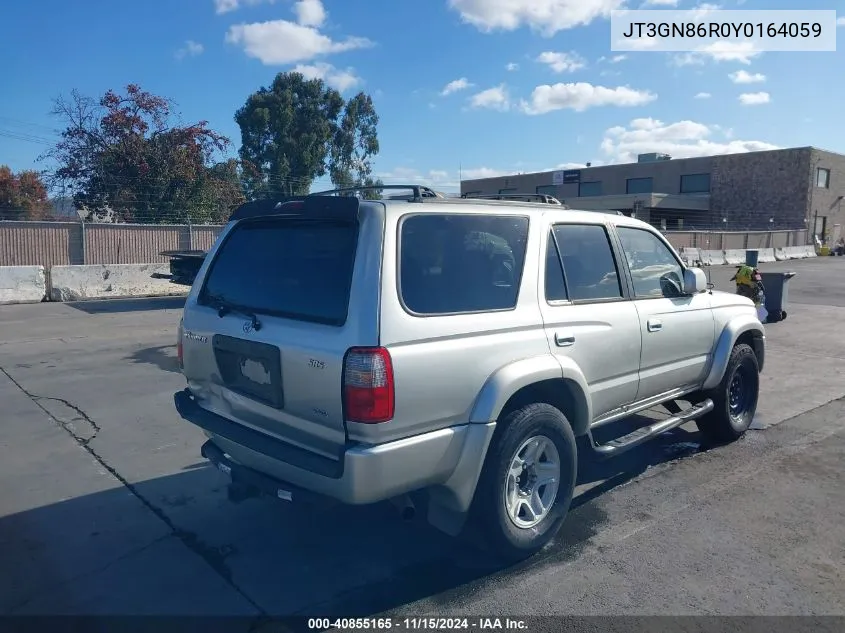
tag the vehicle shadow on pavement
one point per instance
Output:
(178, 545)
(161, 356)
(122, 306)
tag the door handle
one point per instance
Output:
(654, 325)
(564, 340)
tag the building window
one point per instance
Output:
(823, 178)
(512, 190)
(639, 185)
(548, 190)
(695, 183)
(590, 188)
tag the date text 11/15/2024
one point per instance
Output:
(417, 624)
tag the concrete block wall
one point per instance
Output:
(22, 284)
(106, 281)
(749, 190)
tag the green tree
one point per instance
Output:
(298, 130)
(124, 159)
(355, 143)
(23, 196)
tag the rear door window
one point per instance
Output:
(452, 263)
(588, 263)
(290, 268)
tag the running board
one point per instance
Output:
(635, 438)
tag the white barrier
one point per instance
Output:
(795, 252)
(74, 283)
(712, 258)
(766, 255)
(691, 256)
(809, 251)
(780, 254)
(22, 284)
(735, 256)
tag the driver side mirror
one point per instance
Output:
(695, 281)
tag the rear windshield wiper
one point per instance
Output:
(224, 307)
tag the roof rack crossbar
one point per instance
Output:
(420, 191)
(542, 197)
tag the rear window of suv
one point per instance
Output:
(453, 263)
(290, 268)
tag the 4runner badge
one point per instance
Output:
(249, 328)
(195, 337)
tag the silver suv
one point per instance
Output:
(370, 350)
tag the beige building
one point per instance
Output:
(793, 188)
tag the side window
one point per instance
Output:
(555, 284)
(655, 270)
(588, 264)
(452, 263)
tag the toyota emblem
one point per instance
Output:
(248, 327)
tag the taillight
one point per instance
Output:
(368, 393)
(179, 354)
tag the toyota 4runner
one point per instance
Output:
(371, 350)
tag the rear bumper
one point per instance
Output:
(449, 458)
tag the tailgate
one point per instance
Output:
(271, 357)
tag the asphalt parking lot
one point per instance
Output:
(106, 506)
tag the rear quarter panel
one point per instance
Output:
(441, 363)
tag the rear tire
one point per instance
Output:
(527, 482)
(734, 400)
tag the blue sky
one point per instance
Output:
(533, 84)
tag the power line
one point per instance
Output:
(22, 136)
(30, 124)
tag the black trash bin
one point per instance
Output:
(775, 286)
(751, 258)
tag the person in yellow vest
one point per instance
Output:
(749, 284)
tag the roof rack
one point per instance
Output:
(525, 197)
(420, 191)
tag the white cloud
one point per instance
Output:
(618, 58)
(701, 11)
(485, 172)
(754, 98)
(545, 16)
(341, 80)
(454, 86)
(495, 98)
(745, 77)
(703, 95)
(310, 12)
(643, 43)
(582, 96)
(661, 3)
(512, 67)
(190, 49)
(840, 21)
(435, 178)
(683, 139)
(283, 42)
(440, 179)
(561, 62)
(227, 6)
(719, 51)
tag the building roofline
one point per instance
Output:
(549, 171)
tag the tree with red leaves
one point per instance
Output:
(124, 160)
(23, 196)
